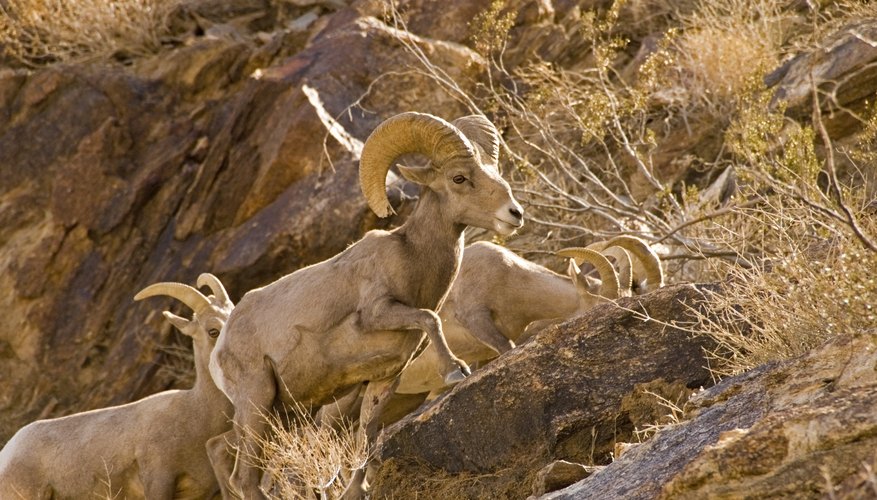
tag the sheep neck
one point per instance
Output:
(204, 388)
(436, 243)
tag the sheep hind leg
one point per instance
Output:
(377, 395)
(251, 408)
(342, 411)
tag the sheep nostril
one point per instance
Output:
(516, 213)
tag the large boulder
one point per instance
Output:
(844, 69)
(801, 428)
(570, 394)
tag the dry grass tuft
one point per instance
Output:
(40, 32)
(674, 416)
(709, 60)
(308, 460)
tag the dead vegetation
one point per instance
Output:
(673, 137)
(39, 32)
(303, 460)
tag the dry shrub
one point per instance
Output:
(691, 157)
(795, 302)
(709, 60)
(39, 32)
(177, 365)
(304, 459)
(814, 235)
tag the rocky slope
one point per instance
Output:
(804, 428)
(570, 393)
(235, 151)
(541, 416)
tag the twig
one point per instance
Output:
(834, 184)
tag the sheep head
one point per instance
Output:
(210, 312)
(462, 170)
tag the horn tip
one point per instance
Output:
(384, 211)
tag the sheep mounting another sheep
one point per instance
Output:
(151, 448)
(500, 299)
(364, 314)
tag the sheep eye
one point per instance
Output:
(213, 332)
(459, 179)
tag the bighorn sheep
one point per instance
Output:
(151, 448)
(360, 316)
(499, 298)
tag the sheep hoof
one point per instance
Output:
(455, 377)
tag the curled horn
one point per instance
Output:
(642, 251)
(482, 133)
(184, 293)
(609, 286)
(212, 282)
(402, 134)
(625, 266)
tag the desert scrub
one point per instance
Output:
(803, 298)
(677, 140)
(302, 459)
(706, 62)
(813, 233)
(41, 32)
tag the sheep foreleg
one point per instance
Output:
(389, 314)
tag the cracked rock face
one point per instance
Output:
(802, 428)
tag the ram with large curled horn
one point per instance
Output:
(152, 448)
(361, 316)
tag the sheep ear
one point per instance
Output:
(593, 284)
(575, 274)
(181, 324)
(418, 175)
(585, 285)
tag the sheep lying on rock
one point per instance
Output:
(644, 273)
(152, 448)
(500, 298)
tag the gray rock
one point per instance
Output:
(568, 394)
(802, 428)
